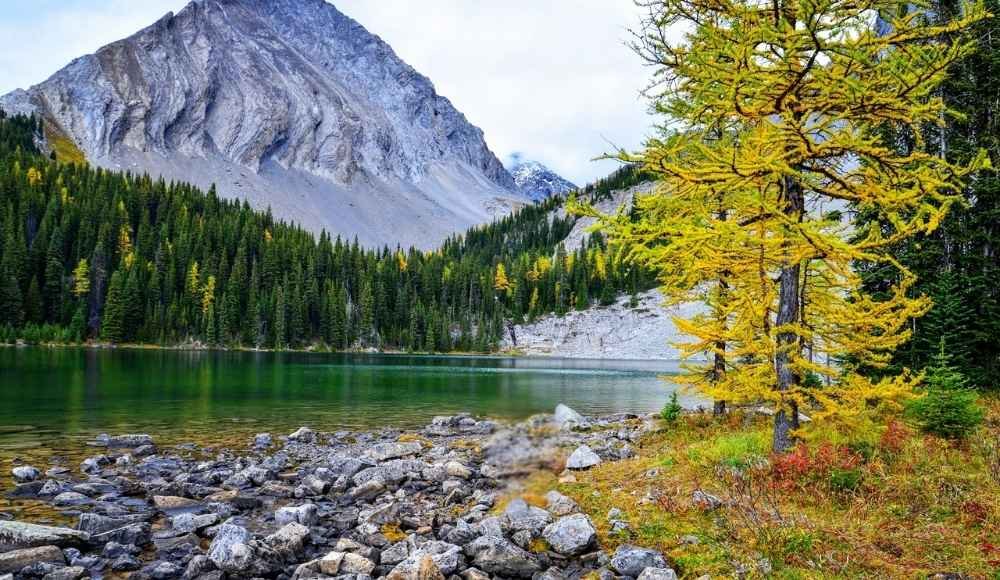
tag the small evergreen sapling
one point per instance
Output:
(672, 410)
(949, 408)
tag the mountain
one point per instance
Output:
(289, 104)
(535, 180)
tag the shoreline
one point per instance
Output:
(383, 503)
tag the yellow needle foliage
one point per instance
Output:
(774, 134)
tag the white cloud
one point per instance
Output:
(550, 78)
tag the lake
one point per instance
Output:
(53, 398)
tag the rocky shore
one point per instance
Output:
(429, 504)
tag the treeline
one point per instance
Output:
(90, 254)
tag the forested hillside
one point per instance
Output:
(90, 254)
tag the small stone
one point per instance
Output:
(303, 435)
(305, 514)
(456, 469)
(420, 568)
(658, 574)
(170, 502)
(571, 535)
(705, 501)
(583, 458)
(632, 560)
(188, 522)
(25, 473)
(262, 441)
(330, 564)
(386, 451)
(356, 564)
(559, 504)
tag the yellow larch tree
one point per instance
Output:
(774, 131)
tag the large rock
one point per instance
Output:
(498, 556)
(14, 560)
(583, 458)
(393, 471)
(18, 535)
(567, 417)
(571, 535)
(230, 551)
(632, 560)
(303, 435)
(287, 542)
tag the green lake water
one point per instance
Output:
(51, 398)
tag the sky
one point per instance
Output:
(551, 79)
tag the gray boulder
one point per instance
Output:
(25, 473)
(567, 417)
(230, 551)
(498, 556)
(420, 567)
(19, 535)
(571, 535)
(632, 560)
(583, 458)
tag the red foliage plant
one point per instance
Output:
(801, 465)
(894, 437)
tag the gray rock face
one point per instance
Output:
(570, 535)
(18, 535)
(632, 560)
(287, 103)
(583, 458)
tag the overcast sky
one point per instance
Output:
(549, 78)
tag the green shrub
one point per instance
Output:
(733, 450)
(672, 410)
(948, 407)
(845, 480)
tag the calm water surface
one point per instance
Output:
(48, 396)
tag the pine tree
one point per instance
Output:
(762, 122)
(113, 319)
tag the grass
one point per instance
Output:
(65, 149)
(904, 506)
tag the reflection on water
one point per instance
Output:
(53, 400)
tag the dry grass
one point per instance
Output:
(905, 506)
(65, 149)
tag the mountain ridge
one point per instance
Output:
(536, 181)
(290, 105)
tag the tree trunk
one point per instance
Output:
(786, 419)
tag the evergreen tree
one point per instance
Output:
(113, 320)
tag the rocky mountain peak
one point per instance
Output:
(536, 181)
(290, 104)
